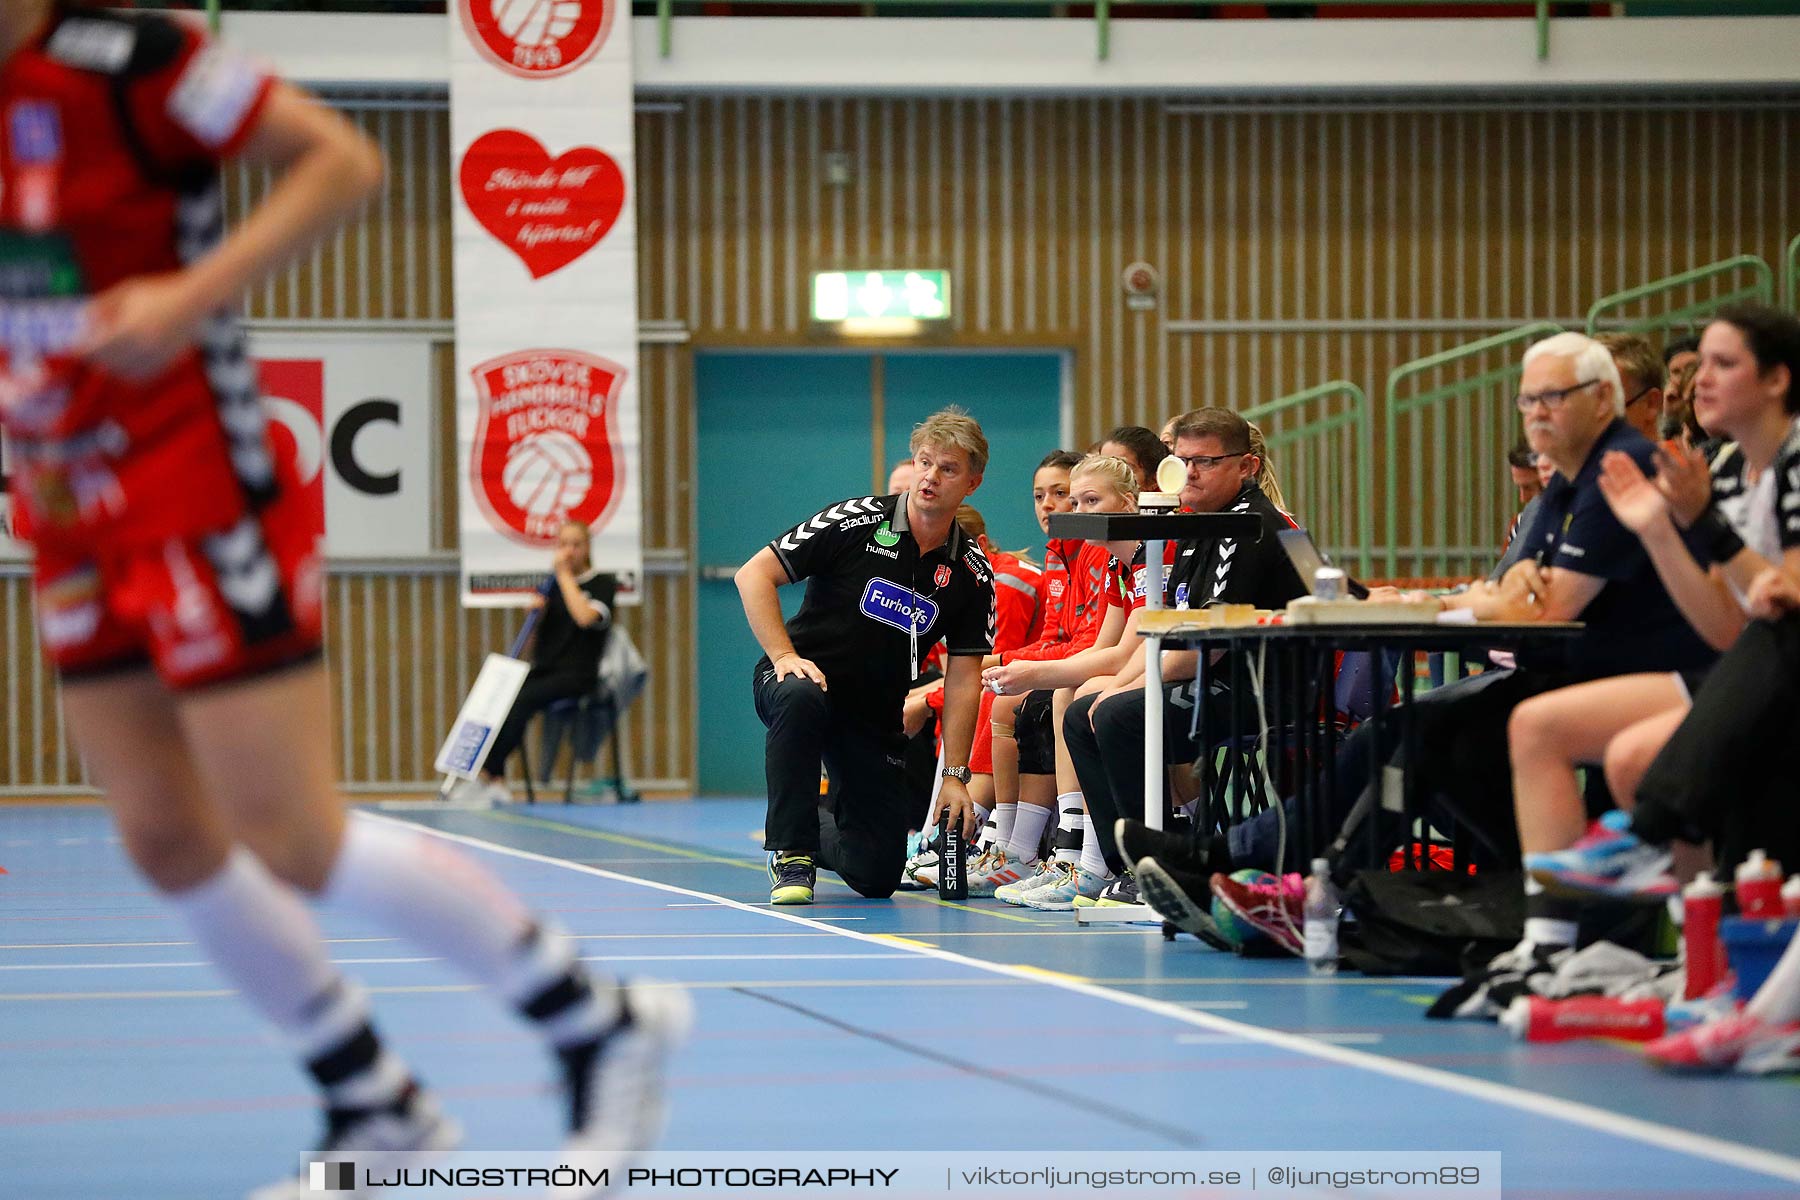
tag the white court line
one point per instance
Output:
(1661, 1137)
(573, 937)
(598, 958)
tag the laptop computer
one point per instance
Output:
(1304, 553)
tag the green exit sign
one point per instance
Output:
(881, 296)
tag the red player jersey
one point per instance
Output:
(1074, 600)
(112, 129)
(1015, 598)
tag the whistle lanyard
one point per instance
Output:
(918, 608)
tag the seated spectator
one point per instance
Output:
(1554, 734)
(900, 479)
(1679, 354)
(1713, 764)
(574, 615)
(1531, 474)
(1582, 565)
(1643, 375)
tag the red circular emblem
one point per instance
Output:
(537, 39)
(942, 576)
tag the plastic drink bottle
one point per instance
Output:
(1759, 886)
(1539, 1019)
(1319, 927)
(1702, 902)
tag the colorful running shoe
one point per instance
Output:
(1049, 872)
(1274, 909)
(791, 878)
(1609, 860)
(1740, 1042)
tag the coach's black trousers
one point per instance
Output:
(863, 836)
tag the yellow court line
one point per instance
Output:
(1049, 974)
(897, 940)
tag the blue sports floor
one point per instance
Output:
(127, 1068)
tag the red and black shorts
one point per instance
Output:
(200, 610)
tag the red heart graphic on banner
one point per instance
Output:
(548, 212)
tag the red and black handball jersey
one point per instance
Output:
(112, 129)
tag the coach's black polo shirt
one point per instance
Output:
(866, 581)
(1631, 625)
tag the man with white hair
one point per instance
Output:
(1579, 564)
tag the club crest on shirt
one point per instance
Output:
(941, 576)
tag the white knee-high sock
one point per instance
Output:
(1027, 833)
(257, 930)
(433, 894)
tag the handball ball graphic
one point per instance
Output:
(547, 474)
(535, 23)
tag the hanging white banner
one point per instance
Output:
(546, 289)
(355, 413)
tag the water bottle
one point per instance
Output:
(1703, 957)
(1319, 927)
(953, 867)
(1540, 1019)
(1759, 886)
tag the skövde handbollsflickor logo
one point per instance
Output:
(537, 39)
(545, 442)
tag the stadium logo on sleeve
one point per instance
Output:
(536, 39)
(897, 607)
(544, 442)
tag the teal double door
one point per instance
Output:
(784, 434)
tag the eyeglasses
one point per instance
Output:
(1640, 395)
(1207, 462)
(1552, 399)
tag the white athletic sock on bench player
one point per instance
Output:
(1027, 836)
(442, 900)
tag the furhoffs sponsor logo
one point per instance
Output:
(544, 442)
(898, 607)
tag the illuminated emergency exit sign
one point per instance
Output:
(881, 296)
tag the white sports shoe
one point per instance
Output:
(615, 1084)
(1058, 896)
(1049, 873)
(379, 1139)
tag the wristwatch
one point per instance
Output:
(960, 774)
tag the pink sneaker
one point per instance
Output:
(1278, 912)
(1740, 1042)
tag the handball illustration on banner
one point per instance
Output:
(545, 442)
(537, 38)
(547, 211)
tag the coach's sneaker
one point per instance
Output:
(614, 1083)
(791, 878)
(921, 870)
(377, 1137)
(993, 870)
(1049, 872)
(1274, 909)
(1608, 860)
(1205, 855)
(1740, 1042)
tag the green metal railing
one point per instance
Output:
(1793, 274)
(1671, 303)
(1456, 513)
(665, 13)
(1327, 464)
